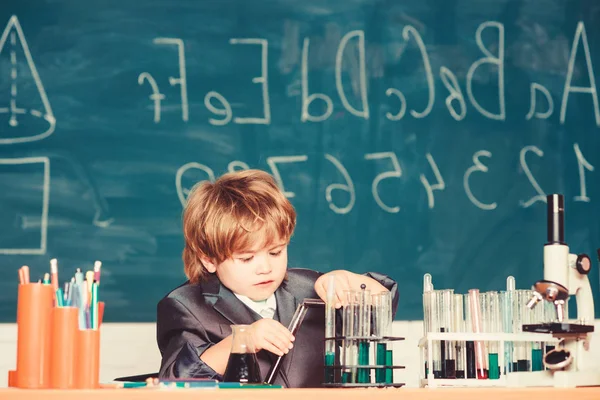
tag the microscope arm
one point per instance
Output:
(579, 285)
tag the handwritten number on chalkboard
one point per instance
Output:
(478, 166)
(272, 161)
(582, 163)
(237, 165)
(395, 173)
(348, 187)
(541, 196)
(441, 185)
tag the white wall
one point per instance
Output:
(130, 349)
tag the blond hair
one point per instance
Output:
(239, 210)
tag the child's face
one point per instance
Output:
(256, 273)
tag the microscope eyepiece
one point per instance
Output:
(556, 219)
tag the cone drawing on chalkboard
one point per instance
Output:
(25, 112)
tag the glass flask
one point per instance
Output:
(242, 365)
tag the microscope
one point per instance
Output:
(564, 274)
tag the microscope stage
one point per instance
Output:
(558, 327)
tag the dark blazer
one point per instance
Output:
(193, 317)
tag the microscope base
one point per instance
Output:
(557, 379)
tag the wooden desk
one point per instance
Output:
(304, 394)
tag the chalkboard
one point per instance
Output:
(411, 136)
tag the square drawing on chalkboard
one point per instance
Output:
(24, 200)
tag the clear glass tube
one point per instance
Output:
(471, 370)
(448, 347)
(523, 354)
(435, 327)
(459, 326)
(364, 329)
(441, 320)
(350, 330)
(476, 320)
(506, 309)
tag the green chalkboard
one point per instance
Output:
(411, 136)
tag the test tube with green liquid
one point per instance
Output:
(382, 328)
(537, 317)
(494, 325)
(330, 331)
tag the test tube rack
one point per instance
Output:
(426, 351)
(368, 368)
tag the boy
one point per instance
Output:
(236, 232)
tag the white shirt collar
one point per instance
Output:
(265, 308)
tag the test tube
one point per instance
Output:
(537, 317)
(435, 327)
(522, 317)
(448, 351)
(494, 325)
(475, 307)
(483, 308)
(506, 305)
(364, 331)
(459, 326)
(428, 315)
(350, 331)
(471, 371)
(330, 331)
(382, 327)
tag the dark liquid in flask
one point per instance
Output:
(242, 368)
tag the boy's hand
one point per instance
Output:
(345, 280)
(342, 282)
(270, 335)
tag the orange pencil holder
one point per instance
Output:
(65, 325)
(87, 359)
(34, 307)
(86, 372)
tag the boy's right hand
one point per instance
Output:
(270, 335)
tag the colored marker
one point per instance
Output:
(25, 269)
(59, 298)
(54, 273)
(97, 271)
(94, 307)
